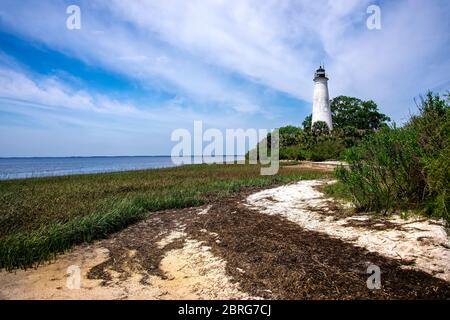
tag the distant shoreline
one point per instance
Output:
(69, 157)
(66, 211)
(36, 167)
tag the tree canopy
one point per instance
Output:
(320, 128)
(352, 118)
(353, 112)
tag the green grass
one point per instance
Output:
(338, 190)
(41, 217)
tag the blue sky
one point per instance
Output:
(137, 70)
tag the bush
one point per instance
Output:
(353, 119)
(320, 128)
(297, 152)
(383, 171)
(327, 149)
(404, 167)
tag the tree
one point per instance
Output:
(307, 123)
(320, 128)
(352, 118)
(290, 135)
(352, 114)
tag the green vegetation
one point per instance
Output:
(353, 119)
(350, 112)
(338, 190)
(404, 168)
(390, 169)
(41, 217)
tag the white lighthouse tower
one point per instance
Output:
(321, 99)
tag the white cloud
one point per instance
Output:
(48, 97)
(49, 91)
(279, 44)
(197, 48)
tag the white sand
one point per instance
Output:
(191, 272)
(423, 241)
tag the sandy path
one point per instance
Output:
(418, 240)
(189, 271)
(213, 251)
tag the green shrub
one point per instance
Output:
(353, 119)
(297, 152)
(338, 190)
(404, 167)
(383, 171)
(327, 149)
(320, 128)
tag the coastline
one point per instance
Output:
(243, 246)
(12, 168)
(44, 216)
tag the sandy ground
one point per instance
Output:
(423, 243)
(284, 242)
(189, 272)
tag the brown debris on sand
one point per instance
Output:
(393, 237)
(228, 249)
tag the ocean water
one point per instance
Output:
(14, 168)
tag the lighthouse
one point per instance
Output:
(321, 99)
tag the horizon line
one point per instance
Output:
(120, 156)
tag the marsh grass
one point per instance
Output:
(40, 217)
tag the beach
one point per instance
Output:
(283, 240)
